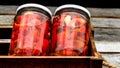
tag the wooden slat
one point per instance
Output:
(113, 58)
(7, 9)
(4, 41)
(105, 12)
(105, 22)
(111, 35)
(7, 20)
(6, 26)
(50, 57)
(111, 52)
(108, 47)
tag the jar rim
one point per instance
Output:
(34, 5)
(72, 6)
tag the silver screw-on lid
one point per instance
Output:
(73, 6)
(34, 5)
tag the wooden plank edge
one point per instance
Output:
(6, 26)
(4, 41)
(51, 57)
(114, 17)
(109, 52)
(10, 26)
(106, 27)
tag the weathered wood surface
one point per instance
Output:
(113, 58)
(7, 20)
(111, 35)
(106, 22)
(4, 41)
(108, 47)
(105, 12)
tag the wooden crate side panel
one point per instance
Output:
(44, 63)
(96, 64)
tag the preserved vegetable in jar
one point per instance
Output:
(30, 34)
(70, 31)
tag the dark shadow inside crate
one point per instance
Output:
(5, 33)
(4, 47)
(89, 49)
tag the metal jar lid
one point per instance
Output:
(34, 5)
(72, 6)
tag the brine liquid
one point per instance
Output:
(30, 35)
(70, 35)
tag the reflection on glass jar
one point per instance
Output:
(70, 31)
(30, 35)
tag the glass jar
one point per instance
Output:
(70, 31)
(30, 34)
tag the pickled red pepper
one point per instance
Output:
(70, 35)
(30, 35)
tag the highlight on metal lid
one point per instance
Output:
(34, 5)
(73, 6)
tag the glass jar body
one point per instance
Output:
(30, 34)
(70, 34)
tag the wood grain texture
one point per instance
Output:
(110, 47)
(113, 58)
(7, 20)
(4, 41)
(102, 34)
(105, 12)
(7, 9)
(105, 22)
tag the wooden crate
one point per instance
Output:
(93, 60)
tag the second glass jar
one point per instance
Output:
(70, 31)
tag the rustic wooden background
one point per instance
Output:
(106, 23)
